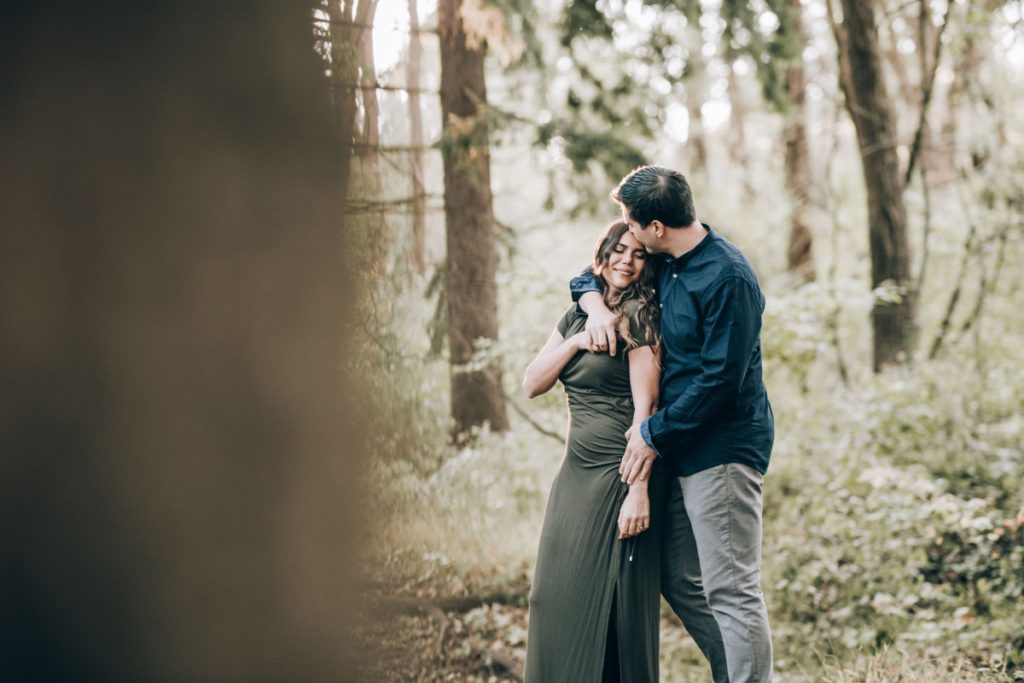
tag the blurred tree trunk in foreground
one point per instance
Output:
(476, 395)
(869, 105)
(178, 494)
(800, 254)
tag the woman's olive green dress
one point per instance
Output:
(591, 591)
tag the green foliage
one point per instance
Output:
(606, 155)
(771, 51)
(892, 518)
(523, 22)
(583, 18)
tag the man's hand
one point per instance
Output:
(600, 325)
(638, 459)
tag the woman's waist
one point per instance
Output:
(589, 401)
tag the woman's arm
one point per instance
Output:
(543, 371)
(644, 373)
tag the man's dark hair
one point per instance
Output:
(652, 193)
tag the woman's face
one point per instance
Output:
(625, 262)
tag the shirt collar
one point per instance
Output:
(679, 262)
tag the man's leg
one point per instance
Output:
(681, 583)
(724, 506)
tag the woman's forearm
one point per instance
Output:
(543, 372)
(644, 373)
(644, 406)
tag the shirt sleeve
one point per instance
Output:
(732, 323)
(566, 320)
(645, 433)
(583, 283)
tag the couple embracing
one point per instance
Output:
(670, 432)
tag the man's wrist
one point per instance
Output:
(587, 302)
(645, 433)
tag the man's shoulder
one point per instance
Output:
(729, 262)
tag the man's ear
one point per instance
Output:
(659, 227)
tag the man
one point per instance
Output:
(714, 429)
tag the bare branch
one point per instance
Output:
(926, 97)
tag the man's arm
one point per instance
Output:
(600, 326)
(732, 324)
(583, 283)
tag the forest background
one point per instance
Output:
(864, 155)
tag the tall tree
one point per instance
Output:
(800, 253)
(476, 395)
(419, 204)
(180, 445)
(696, 90)
(870, 107)
(344, 73)
(777, 56)
(368, 82)
(353, 81)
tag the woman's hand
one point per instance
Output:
(580, 341)
(635, 514)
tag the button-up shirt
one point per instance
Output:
(714, 408)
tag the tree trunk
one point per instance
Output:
(872, 112)
(344, 73)
(371, 104)
(696, 94)
(696, 141)
(737, 137)
(181, 435)
(476, 396)
(800, 256)
(369, 188)
(419, 204)
(966, 67)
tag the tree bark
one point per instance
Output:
(737, 124)
(182, 437)
(800, 254)
(419, 206)
(368, 148)
(476, 396)
(371, 103)
(343, 79)
(871, 109)
(696, 94)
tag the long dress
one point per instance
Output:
(594, 604)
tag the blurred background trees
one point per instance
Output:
(863, 154)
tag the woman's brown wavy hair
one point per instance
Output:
(642, 291)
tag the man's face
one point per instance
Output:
(644, 234)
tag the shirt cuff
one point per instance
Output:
(581, 284)
(645, 432)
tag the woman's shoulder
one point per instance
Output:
(572, 315)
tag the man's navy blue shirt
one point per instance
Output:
(713, 407)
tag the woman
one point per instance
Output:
(595, 598)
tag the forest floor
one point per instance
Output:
(414, 629)
(419, 641)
